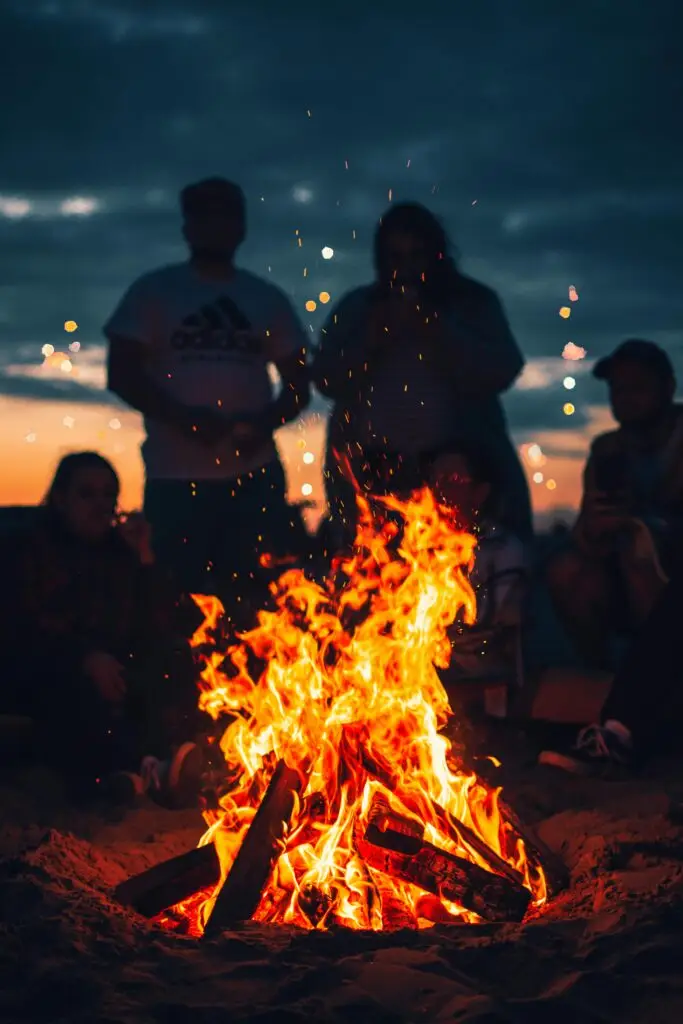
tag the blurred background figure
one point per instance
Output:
(89, 649)
(190, 347)
(627, 537)
(412, 362)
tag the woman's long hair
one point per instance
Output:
(442, 276)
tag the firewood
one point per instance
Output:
(170, 882)
(451, 826)
(555, 870)
(240, 894)
(409, 858)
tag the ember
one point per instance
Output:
(347, 805)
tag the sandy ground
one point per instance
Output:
(609, 949)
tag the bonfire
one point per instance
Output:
(347, 804)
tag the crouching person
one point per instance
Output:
(462, 478)
(89, 650)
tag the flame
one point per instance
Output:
(346, 678)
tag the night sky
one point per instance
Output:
(546, 136)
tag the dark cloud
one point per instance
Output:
(559, 121)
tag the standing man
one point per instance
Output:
(190, 347)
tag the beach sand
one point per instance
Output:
(608, 949)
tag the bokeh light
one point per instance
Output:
(568, 409)
(48, 350)
(551, 485)
(311, 305)
(327, 252)
(538, 478)
(573, 294)
(75, 346)
(324, 297)
(569, 383)
(66, 366)
(573, 352)
(70, 326)
(306, 489)
(565, 312)
(115, 424)
(309, 457)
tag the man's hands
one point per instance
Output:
(605, 515)
(107, 675)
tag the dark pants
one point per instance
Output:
(87, 738)
(647, 692)
(212, 534)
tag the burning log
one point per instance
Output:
(554, 868)
(241, 891)
(170, 882)
(405, 855)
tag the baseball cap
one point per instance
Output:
(643, 353)
(212, 194)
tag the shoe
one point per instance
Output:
(598, 752)
(175, 783)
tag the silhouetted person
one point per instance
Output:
(190, 347)
(88, 648)
(629, 527)
(413, 361)
(643, 714)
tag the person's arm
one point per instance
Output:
(475, 346)
(342, 356)
(132, 334)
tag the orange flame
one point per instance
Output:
(349, 677)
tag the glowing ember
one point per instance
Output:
(347, 694)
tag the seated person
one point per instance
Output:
(643, 711)
(88, 646)
(632, 506)
(462, 479)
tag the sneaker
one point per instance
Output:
(598, 752)
(176, 782)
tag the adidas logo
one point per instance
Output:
(219, 326)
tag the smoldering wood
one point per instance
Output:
(240, 894)
(170, 882)
(406, 856)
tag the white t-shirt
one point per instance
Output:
(210, 344)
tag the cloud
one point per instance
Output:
(557, 121)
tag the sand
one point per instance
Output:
(609, 949)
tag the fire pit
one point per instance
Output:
(347, 805)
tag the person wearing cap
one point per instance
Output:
(190, 347)
(627, 534)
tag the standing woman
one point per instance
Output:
(415, 361)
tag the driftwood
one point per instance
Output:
(170, 882)
(406, 856)
(241, 891)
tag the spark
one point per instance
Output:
(391, 194)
